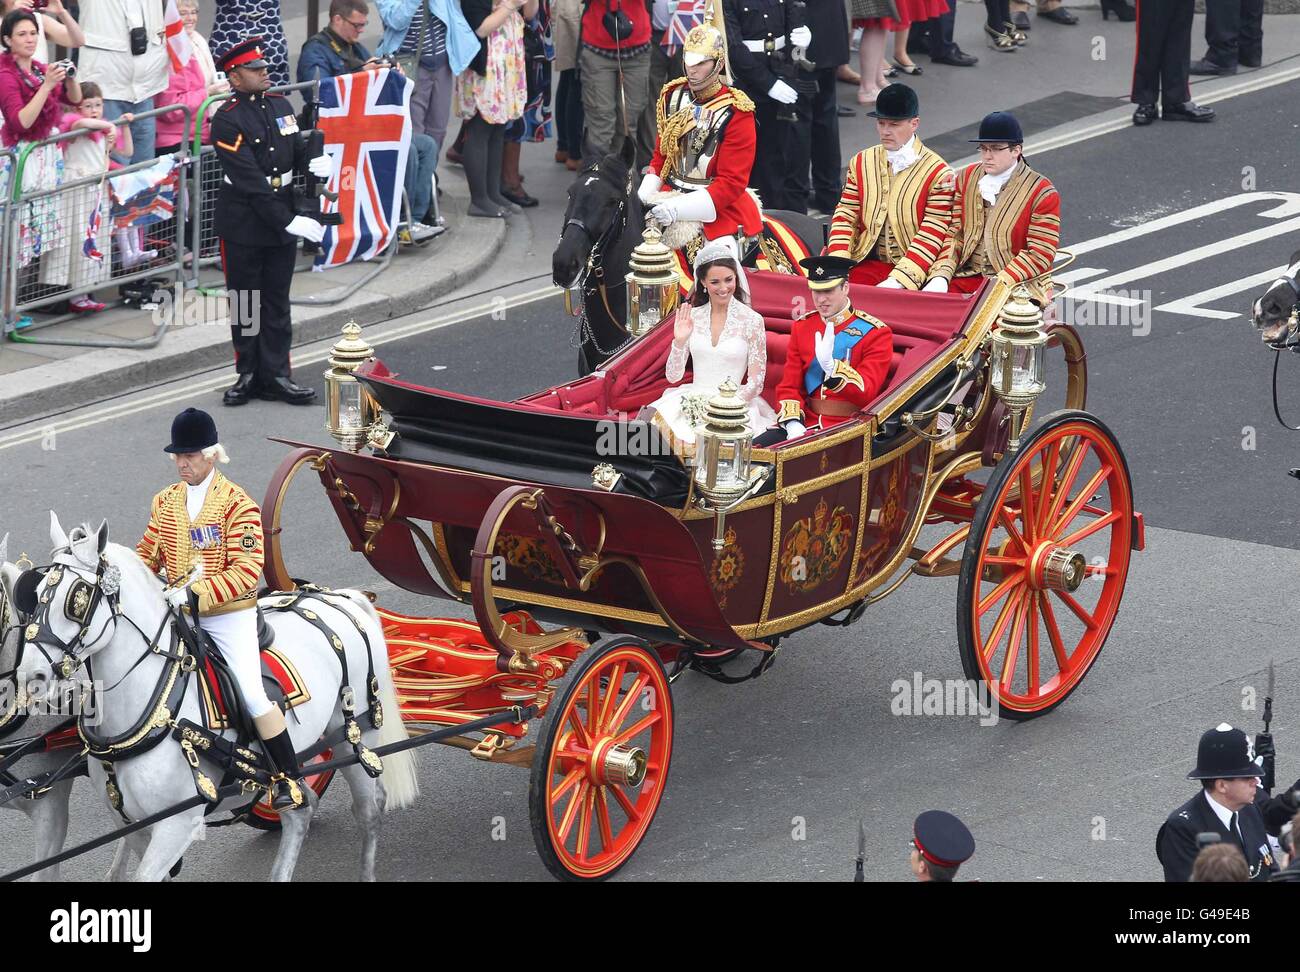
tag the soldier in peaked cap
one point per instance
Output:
(1006, 218)
(257, 142)
(893, 215)
(837, 358)
(1229, 777)
(207, 520)
(940, 845)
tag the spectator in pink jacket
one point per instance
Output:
(188, 87)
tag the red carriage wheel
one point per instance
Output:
(1042, 577)
(601, 762)
(262, 817)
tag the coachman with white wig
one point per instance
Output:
(207, 521)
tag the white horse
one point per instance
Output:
(117, 655)
(49, 812)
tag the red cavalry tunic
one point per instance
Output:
(853, 385)
(709, 145)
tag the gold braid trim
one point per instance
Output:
(672, 130)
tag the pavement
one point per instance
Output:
(1066, 79)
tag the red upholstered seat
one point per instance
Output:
(922, 325)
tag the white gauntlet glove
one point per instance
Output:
(936, 286)
(794, 429)
(801, 37)
(665, 213)
(889, 283)
(782, 92)
(307, 228)
(697, 205)
(650, 184)
(824, 348)
(322, 167)
(178, 597)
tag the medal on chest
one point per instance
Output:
(205, 537)
(288, 124)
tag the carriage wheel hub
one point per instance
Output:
(614, 763)
(1056, 568)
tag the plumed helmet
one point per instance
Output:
(704, 42)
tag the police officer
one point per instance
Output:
(940, 845)
(257, 142)
(1229, 779)
(760, 34)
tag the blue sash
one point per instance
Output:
(844, 343)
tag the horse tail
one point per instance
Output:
(401, 784)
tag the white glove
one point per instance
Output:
(322, 167)
(178, 597)
(782, 92)
(650, 184)
(665, 213)
(697, 205)
(794, 428)
(889, 283)
(824, 347)
(801, 37)
(307, 228)
(936, 286)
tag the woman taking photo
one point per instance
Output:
(57, 25)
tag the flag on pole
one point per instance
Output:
(179, 48)
(687, 15)
(366, 120)
(90, 248)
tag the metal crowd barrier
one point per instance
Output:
(45, 229)
(8, 159)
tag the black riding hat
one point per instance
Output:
(1224, 754)
(896, 102)
(192, 431)
(1000, 126)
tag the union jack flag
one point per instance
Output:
(90, 248)
(367, 124)
(145, 196)
(687, 15)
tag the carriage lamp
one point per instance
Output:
(652, 288)
(1018, 348)
(351, 410)
(723, 477)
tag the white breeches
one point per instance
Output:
(236, 637)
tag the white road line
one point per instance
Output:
(1191, 304)
(190, 389)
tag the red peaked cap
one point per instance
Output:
(247, 53)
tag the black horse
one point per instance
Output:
(602, 225)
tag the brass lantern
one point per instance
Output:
(351, 410)
(723, 477)
(1018, 347)
(652, 287)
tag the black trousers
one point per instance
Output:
(774, 138)
(1234, 31)
(1164, 51)
(816, 142)
(257, 282)
(936, 33)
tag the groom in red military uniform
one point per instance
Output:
(837, 359)
(697, 185)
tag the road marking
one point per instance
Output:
(1191, 304)
(190, 389)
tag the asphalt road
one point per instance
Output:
(770, 778)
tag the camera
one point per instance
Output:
(139, 41)
(68, 67)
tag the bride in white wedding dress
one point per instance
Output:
(724, 338)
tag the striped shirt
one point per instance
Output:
(434, 53)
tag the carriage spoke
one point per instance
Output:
(626, 705)
(1006, 517)
(1085, 494)
(1045, 487)
(1100, 570)
(629, 808)
(632, 731)
(999, 592)
(571, 812)
(615, 680)
(1013, 642)
(995, 559)
(593, 705)
(583, 735)
(602, 816)
(1054, 633)
(1031, 680)
(1089, 621)
(1072, 468)
(1086, 531)
(583, 849)
(1027, 504)
(570, 781)
(999, 626)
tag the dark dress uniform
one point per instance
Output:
(1160, 70)
(816, 138)
(762, 24)
(257, 143)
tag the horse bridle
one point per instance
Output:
(80, 604)
(616, 227)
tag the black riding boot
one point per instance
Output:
(287, 786)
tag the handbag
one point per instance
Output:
(869, 9)
(617, 24)
(410, 63)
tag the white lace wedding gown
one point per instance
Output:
(740, 354)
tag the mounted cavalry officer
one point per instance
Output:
(837, 358)
(1006, 219)
(893, 215)
(704, 150)
(207, 521)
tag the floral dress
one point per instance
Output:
(500, 95)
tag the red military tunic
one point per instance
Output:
(853, 385)
(709, 145)
(1015, 239)
(893, 224)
